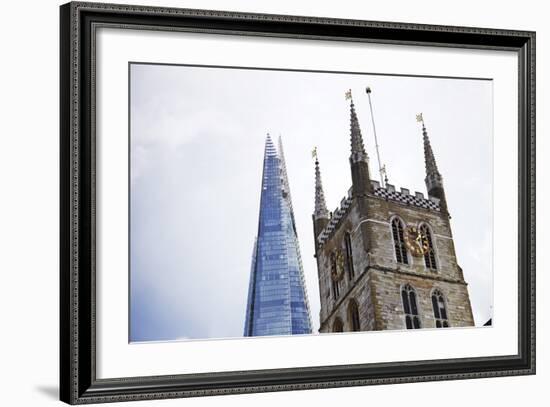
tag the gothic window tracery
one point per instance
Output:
(440, 310)
(429, 255)
(338, 326)
(334, 275)
(399, 241)
(335, 289)
(353, 313)
(410, 307)
(349, 256)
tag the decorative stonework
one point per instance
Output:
(358, 152)
(334, 222)
(376, 285)
(389, 194)
(321, 211)
(417, 200)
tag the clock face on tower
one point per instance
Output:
(416, 241)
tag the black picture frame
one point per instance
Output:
(78, 382)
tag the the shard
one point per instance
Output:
(277, 298)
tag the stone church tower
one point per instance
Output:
(386, 258)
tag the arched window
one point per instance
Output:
(353, 315)
(338, 326)
(440, 310)
(429, 256)
(335, 280)
(349, 256)
(399, 241)
(335, 289)
(410, 307)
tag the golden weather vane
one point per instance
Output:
(420, 118)
(348, 94)
(314, 153)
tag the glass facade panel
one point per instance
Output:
(277, 299)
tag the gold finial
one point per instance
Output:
(314, 153)
(419, 118)
(348, 94)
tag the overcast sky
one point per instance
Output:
(196, 148)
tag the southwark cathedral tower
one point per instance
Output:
(386, 258)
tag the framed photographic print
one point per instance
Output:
(255, 203)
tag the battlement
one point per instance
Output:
(335, 219)
(389, 193)
(404, 196)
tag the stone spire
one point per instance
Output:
(321, 215)
(432, 173)
(359, 160)
(358, 152)
(434, 180)
(321, 211)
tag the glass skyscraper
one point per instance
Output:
(277, 298)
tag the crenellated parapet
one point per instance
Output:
(336, 217)
(405, 197)
(389, 193)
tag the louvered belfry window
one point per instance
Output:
(410, 307)
(429, 256)
(440, 310)
(399, 241)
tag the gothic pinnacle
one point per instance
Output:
(429, 158)
(358, 152)
(432, 171)
(434, 180)
(321, 211)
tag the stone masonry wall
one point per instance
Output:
(389, 306)
(361, 293)
(360, 262)
(378, 277)
(380, 239)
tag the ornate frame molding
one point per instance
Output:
(78, 382)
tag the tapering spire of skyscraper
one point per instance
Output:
(277, 297)
(358, 159)
(286, 186)
(434, 179)
(269, 146)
